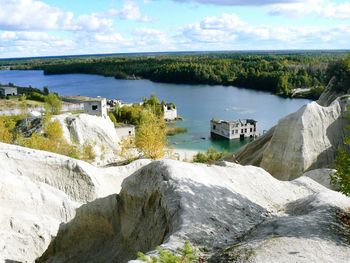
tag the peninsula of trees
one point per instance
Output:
(282, 73)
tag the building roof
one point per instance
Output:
(250, 121)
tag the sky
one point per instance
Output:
(31, 28)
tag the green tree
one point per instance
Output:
(46, 90)
(283, 85)
(151, 135)
(342, 176)
(53, 104)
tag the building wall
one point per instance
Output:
(170, 115)
(98, 108)
(125, 131)
(8, 91)
(233, 130)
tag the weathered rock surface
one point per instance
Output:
(30, 214)
(305, 140)
(237, 213)
(39, 190)
(323, 177)
(330, 94)
(80, 180)
(87, 129)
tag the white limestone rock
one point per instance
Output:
(80, 180)
(30, 214)
(237, 213)
(323, 177)
(88, 129)
(40, 190)
(305, 140)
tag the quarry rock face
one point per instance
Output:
(40, 190)
(233, 213)
(97, 131)
(305, 140)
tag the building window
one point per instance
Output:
(245, 130)
(214, 127)
(94, 107)
(251, 129)
(242, 131)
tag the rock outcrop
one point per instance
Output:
(40, 190)
(85, 129)
(331, 93)
(233, 213)
(30, 214)
(302, 141)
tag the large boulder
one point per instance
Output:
(30, 214)
(81, 181)
(233, 213)
(40, 190)
(83, 129)
(305, 140)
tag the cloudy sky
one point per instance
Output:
(65, 27)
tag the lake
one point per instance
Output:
(197, 104)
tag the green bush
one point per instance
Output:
(113, 119)
(210, 156)
(342, 177)
(53, 104)
(172, 131)
(186, 254)
(36, 96)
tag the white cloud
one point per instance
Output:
(238, 2)
(130, 11)
(323, 8)
(20, 43)
(37, 15)
(230, 32)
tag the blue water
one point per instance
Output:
(197, 104)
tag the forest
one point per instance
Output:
(281, 73)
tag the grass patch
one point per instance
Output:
(172, 131)
(210, 156)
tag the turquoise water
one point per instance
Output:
(197, 104)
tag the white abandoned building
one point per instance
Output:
(8, 91)
(170, 112)
(239, 129)
(96, 106)
(125, 130)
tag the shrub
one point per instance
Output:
(187, 254)
(210, 156)
(342, 177)
(5, 133)
(36, 96)
(7, 125)
(113, 119)
(151, 135)
(171, 131)
(53, 104)
(88, 152)
(54, 130)
(126, 146)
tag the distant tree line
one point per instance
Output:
(279, 73)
